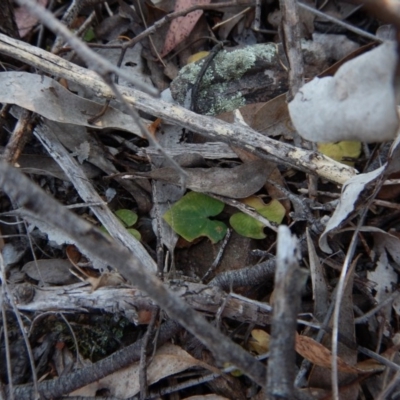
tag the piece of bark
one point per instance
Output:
(132, 303)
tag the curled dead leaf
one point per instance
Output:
(319, 355)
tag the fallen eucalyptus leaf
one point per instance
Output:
(181, 27)
(168, 360)
(356, 191)
(319, 355)
(238, 182)
(45, 96)
(54, 271)
(352, 191)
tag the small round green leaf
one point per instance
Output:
(128, 217)
(247, 226)
(274, 211)
(136, 234)
(89, 35)
(188, 217)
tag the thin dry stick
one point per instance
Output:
(336, 21)
(246, 210)
(216, 26)
(218, 258)
(364, 318)
(291, 40)
(144, 389)
(19, 137)
(338, 302)
(78, 356)
(385, 393)
(70, 166)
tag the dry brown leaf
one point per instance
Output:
(319, 355)
(25, 20)
(273, 118)
(370, 366)
(168, 360)
(152, 128)
(238, 182)
(181, 27)
(45, 96)
(73, 254)
(106, 279)
(54, 271)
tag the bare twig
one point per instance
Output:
(291, 32)
(144, 390)
(289, 281)
(364, 318)
(349, 27)
(19, 137)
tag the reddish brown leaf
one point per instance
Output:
(25, 20)
(319, 355)
(181, 27)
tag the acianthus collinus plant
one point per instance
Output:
(190, 217)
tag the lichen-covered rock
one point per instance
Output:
(234, 78)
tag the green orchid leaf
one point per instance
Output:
(127, 217)
(247, 226)
(188, 217)
(136, 234)
(89, 35)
